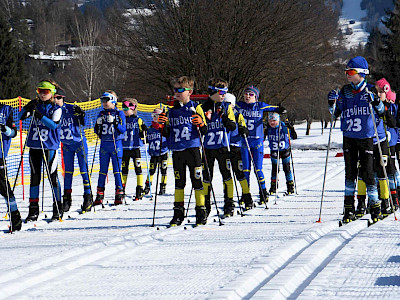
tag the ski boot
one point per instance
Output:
(33, 210)
(57, 211)
(162, 188)
(263, 197)
(119, 197)
(87, 202)
(229, 208)
(290, 187)
(361, 209)
(201, 215)
(139, 193)
(147, 188)
(99, 196)
(385, 208)
(16, 222)
(248, 202)
(179, 214)
(67, 201)
(272, 189)
(349, 210)
(395, 199)
(376, 213)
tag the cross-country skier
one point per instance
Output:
(43, 141)
(8, 131)
(74, 143)
(236, 154)
(135, 130)
(110, 127)
(254, 113)
(278, 138)
(352, 104)
(182, 127)
(220, 120)
(158, 151)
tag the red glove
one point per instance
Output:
(162, 118)
(197, 120)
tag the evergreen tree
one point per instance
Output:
(13, 80)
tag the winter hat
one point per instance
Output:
(45, 85)
(60, 92)
(230, 98)
(385, 86)
(253, 89)
(273, 116)
(108, 97)
(359, 64)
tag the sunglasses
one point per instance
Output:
(126, 105)
(251, 94)
(219, 90)
(181, 90)
(43, 91)
(351, 72)
(59, 97)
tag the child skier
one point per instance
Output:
(254, 112)
(110, 127)
(236, 155)
(135, 130)
(43, 141)
(158, 150)
(182, 127)
(352, 104)
(8, 131)
(74, 142)
(278, 138)
(220, 121)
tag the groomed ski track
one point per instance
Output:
(277, 253)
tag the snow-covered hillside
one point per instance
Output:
(352, 23)
(274, 253)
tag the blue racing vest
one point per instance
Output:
(154, 140)
(132, 138)
(278, 137)
(70, 133)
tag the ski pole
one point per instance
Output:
(232, 172)
(277, 163)
(48, 170)
(7, 183)
(190, 197)
(158, 173)
(255, 170)
(207, 169)
(146, 146)
(22, 155)
(381, 155)
(326, 161)
(291, 158)
(94, 155)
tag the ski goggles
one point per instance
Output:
(354, 71)
(43, 91)
(108, 97)
(126, 105)
(181, 90)
(214, 90)
(251, 94)
(58, 97)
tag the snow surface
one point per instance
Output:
(351, 11)
(274, 253)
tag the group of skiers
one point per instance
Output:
(369, 121)
(197, 134)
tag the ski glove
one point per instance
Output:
(243, 131)
(332, 97)
(281, 109)
(162, 118)
(144, 127)
(78, 112)
(38, 115)
(99, 121)
(3, 128)
(372, 98)
(117, 120)
(219, 109)
(110, 118)
(31, 106)
(197, 120)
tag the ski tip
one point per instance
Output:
(158, 228)
(45, 216)
(188, 221)
(184, 228)
(215, 220)
(340, 223)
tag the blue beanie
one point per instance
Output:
(253, 89)
(358, 62)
